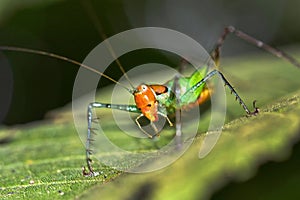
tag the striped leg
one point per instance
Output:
(90, 130)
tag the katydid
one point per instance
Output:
(154, 100)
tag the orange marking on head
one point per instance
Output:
(145, 100)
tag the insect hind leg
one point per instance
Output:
(232, 90)
(215, 54)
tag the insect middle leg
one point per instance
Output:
(178, 133)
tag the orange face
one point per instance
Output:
(145, 99)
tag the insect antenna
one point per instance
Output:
(44, 53)
(96, 21)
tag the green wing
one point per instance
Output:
(187, 94)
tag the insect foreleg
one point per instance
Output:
(232, 90)
(230, 29)
(140, 127)
(152, 124)
(90, 130)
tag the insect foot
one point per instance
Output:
(256, 110)
(89, 173)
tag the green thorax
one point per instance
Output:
(188, 94)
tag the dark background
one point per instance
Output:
(30, 85)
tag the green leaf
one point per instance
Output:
(245, 143)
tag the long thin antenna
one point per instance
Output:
(44, 53)
(96, 21)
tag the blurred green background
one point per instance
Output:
(31, 85)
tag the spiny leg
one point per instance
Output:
(232, 90)
(91, 131)
(230, 29)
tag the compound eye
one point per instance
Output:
(144, 88)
